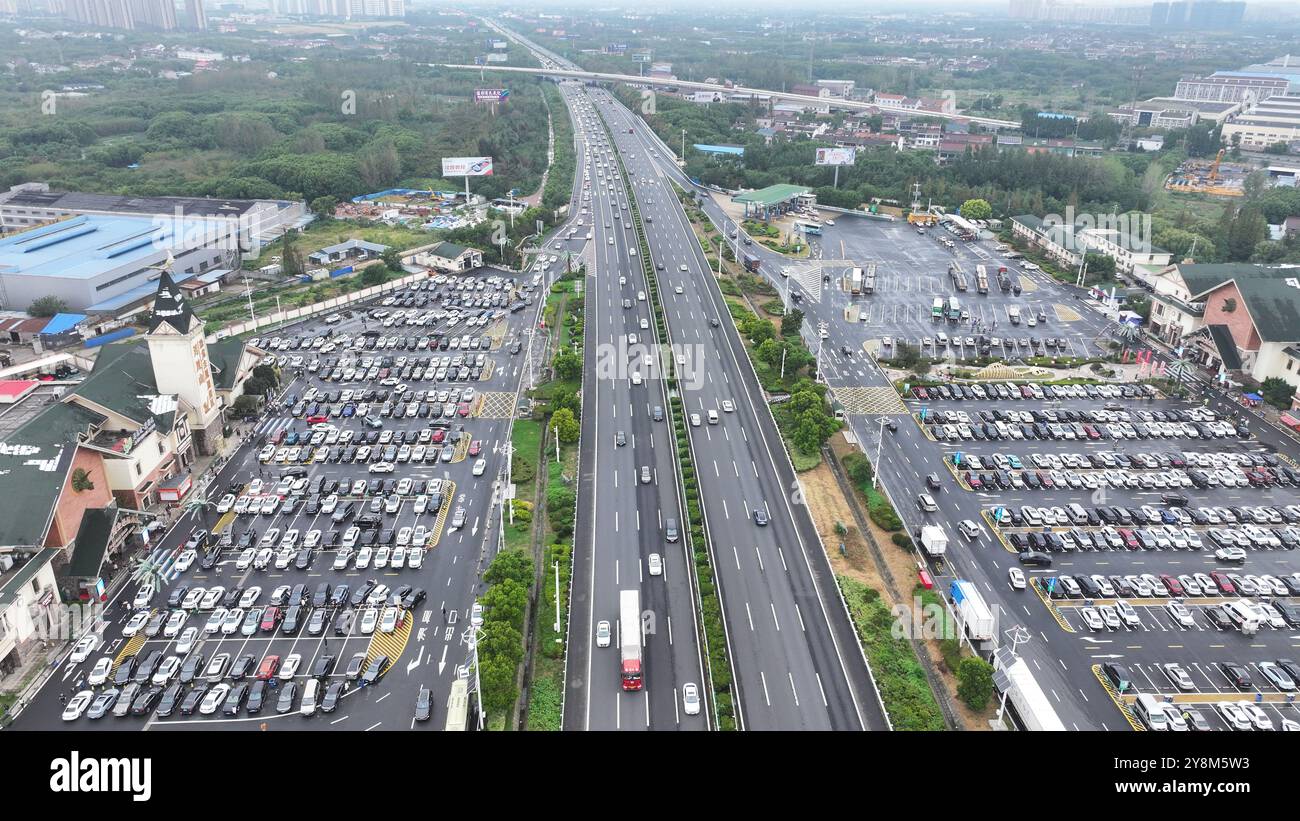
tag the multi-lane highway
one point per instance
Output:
(629, 492)
(795, 657)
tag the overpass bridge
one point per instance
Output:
(633, 79)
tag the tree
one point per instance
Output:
(374, 275)
(568, 365)
(792, 322)
(858, 468)
(1099, 264)
(565, 425)
(975, 682)
(324, 206)
(760, 330)
(506, 601)
(510, 564)
(1277, 392)
(1140, 306)
(769, 352)
(393, 259)
(245, 405)
(47, 306)
(567, 398)
(257, 386)
(269, 373)
(976, 209)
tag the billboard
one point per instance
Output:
(835, 156)
(490, 95)
(467, 166)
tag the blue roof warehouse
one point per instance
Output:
(85, 260)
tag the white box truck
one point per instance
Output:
(934, 540)
(974, 614)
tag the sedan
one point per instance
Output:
(691, 699)
(99, 673)
(1180, 613)
(1178, 677)
(77, 705)
(213, 699)
(84, 648)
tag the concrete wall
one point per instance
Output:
(327, 306)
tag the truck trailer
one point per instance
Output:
(629, 624)
(975, 616)
(934, 540)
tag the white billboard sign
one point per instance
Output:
(836, 156)
(467, 166)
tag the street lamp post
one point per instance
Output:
(821, 342)
(880, 441)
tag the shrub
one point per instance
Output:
(975, 682)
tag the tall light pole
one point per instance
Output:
(880, 441)
(821, 342)
(248, 292)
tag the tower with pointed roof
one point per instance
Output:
(180, 362)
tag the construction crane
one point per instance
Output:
(1214, 166)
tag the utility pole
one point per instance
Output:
(557, 601)
(821, 342)
(683, 154)
(875, 472)
(248, 292)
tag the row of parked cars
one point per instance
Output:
(1030, 390)
(1215, 583)
(206, 692)
(1158, 714)
(1072, 425)
(451, 367)
(1142, 471)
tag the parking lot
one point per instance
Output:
(914, 268)
(1152, 532)
(343, 543)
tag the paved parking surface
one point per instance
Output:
(424, 643)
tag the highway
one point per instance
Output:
(622, 518)
(795, 656)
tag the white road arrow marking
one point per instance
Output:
(415, 662)
(442, 662)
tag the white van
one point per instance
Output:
(713, 417)
(1243, 615)
(1150, 711)
(310, 692)
(1077, 514)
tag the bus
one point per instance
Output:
(808, 228)
(458, 706)
(936, 310)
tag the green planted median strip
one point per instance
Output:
(715, 638)
(899, 677)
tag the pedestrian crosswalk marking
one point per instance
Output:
(881, 400)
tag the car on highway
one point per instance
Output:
(690, 699)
